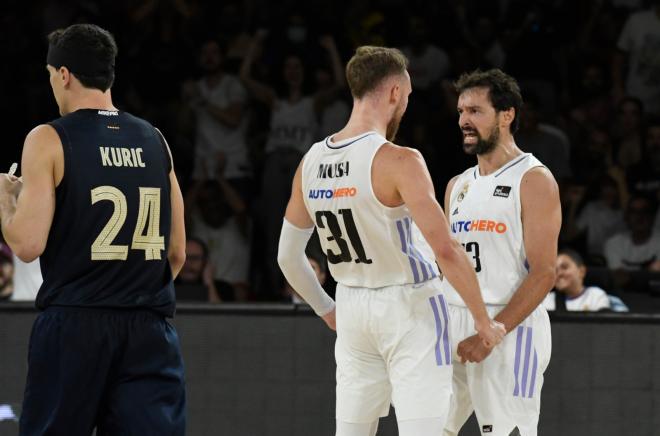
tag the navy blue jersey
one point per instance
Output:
(107, 245)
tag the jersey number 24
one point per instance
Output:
(146, 235)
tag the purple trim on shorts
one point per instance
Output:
(528, 349)
(516, 365)
(438, 331)
(445, 334)
(402, 237)
(531, 386)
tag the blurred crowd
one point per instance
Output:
(241, 89)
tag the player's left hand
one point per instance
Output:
(472, 349)
(10, 185)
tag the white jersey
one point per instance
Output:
(485, 217)
(368, 244)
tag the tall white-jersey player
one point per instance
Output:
(374, 207)
(505, 211)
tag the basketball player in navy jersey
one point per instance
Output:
(99, 203)
(505, 212)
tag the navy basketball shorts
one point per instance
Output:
(119, 371)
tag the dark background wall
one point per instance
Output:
(269, 371)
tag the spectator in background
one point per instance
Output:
(6, 273)
(218, 100)
(637, 249)
(570, 292)
(549, 144)
(293, 129)
(599, 218)
(645, 176)
(639, 48)
(428, 63)
(195, 280)
(628, 132)
(218, 216)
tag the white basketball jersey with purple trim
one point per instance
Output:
(367, 244)
(484, 215)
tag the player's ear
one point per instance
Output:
(65, 76)
(395, 92)
(508, 116)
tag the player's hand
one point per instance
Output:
(330, 320)
(491, 332)
(472, 349)
(10, 185)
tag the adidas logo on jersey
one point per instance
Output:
(487, 429)
(502, 191)
(334, 170)
(478, 226)
(329, 193)
(455, 212)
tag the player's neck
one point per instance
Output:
(363, 119)
(91, 100)
(505, 151)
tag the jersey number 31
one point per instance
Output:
(146, 235)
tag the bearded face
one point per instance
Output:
(474, 143)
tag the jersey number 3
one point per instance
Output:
(146, 235)
(334, 228)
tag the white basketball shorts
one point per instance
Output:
(504, 390)
(393, 345)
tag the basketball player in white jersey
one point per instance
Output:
(374, 207)
(505, 211)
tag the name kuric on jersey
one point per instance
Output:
(332, 193)
(333, 170)
(121, 157)
(478, 226)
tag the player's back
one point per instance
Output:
(367, 244)
(107, 245)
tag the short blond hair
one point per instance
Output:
(370, 65)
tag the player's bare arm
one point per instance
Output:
(541, 219)
(541, 223)
(27, 205)
(296, 231)
(176, 251)
(408, 175)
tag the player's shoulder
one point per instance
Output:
(539, 178)
(43, 135)
(398, 154)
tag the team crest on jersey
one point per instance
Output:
(502, 191)
(463, 192)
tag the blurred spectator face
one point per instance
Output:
(478, 121)
(195, 262)
(212, 205)
(570, 276)
(640, 216)
(210, 57)
(320, 274)
(323, 78)
(593, 81)
(630, 115)
(418, 33)
(599, 145)
(296, 32)
(294, 72)
(529, 116)
(609, 195)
